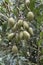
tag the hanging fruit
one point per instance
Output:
(30, 15)
(11, 22)
(26, 35)
(25, 25)
(15, 49)
(31, 30)
(20, 23)
(10, 36)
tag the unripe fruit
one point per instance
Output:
(0, 29)
(14, 28)
(0, 36)
(21, 35)
(25, 25)
(27, 1)
(11, 22)
(10, 36)
(0, 39)
(20, 23)
(26, 35)
(17, 38)
(30, 16)
(15, 49)
(28, 53)
(31, 30)
(21, 29)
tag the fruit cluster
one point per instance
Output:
(20, 31)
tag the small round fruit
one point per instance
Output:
(14, 28)
(11, 22)
(21, 29)
(0, 39)
(28, 53)
(25, 25)
(30, 16)
(0, 36)
(15, 49)
(31, 30)
(0, 29)
(26, 35)
(17, 38)
(21, 35)
(10, 36)
(20, 23)
(27, 1)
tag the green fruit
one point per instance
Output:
(17, 38)
(28, 53)
(31, 30)
(30, 16)
(20, 23)
(21, 29)
(27, 1)
(0, 39)
(15, 49)
(10, 36)
(25, 25)
(0, 29)
(21, 35)
(11, 22)
(0, 36)
(14, 28)
(26, 35)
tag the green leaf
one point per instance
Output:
(41, 34)
(42, 51)
(4, 26)
(7, 1)
(39, 42)
(42, 1)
